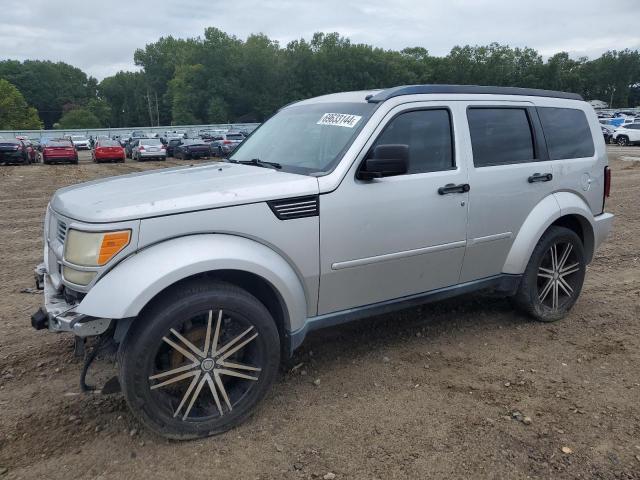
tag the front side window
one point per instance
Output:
(308, 139)
(500, 136)
(428, 135)
(566, 132)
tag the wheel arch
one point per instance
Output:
(140, 279)
(564, 209)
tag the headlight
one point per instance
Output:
(93, 249)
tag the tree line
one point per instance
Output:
(219, 78)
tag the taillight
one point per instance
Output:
(607, 186)
(227, 142)
(141, 148)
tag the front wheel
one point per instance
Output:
(553, 279)
(199, 361)
(623, 141)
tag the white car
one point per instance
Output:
(80, 142)
(627, 134)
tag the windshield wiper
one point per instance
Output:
(258, 163)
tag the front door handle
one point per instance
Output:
(453, 188)
(540, 177)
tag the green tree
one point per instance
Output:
(125, 93)
(48, 86)
(101, 109)
(79, 118)
(14, 111)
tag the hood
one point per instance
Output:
(175, 190)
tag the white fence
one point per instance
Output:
(36, 134)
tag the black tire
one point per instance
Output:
(144, 353)
(623, 141)
(531, 297)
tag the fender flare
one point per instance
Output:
(543, 215)
(129, 286)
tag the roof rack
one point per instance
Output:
(467, 89)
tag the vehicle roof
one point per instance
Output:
(381, 95)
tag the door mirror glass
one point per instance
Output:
(385, 161)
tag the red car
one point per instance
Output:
(31, 151)
(57, 151)
(108, 151)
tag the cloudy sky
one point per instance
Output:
(100, 37)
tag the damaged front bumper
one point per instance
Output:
(60, 316)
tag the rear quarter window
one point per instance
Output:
(567, 133)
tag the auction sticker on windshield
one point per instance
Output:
(339, 120)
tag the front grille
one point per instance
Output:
(290, 208)
(61, 231)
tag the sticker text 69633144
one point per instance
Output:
(339, 120)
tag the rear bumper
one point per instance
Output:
(602, 225)
(59, 316)
(59, 158)
(200, 153)
(159, 154)
(12, 157)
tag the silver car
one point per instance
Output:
(337, 208)
(149, 148)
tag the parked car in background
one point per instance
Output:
(58, 151)
(129, 146)
(628, 134)
(171, 144)
(80, 142)
(44, 141)
(32, 152)
(149, 149)
(108, 151)
(191, 148)
(138, 134)
(607, 132)
(225, 143)
(13, 151)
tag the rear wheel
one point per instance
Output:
(623, 141)
(198, 362)
(553, 279)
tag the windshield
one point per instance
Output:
(150, 141)
(78, 138)
(308, 139)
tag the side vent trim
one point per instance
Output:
(300, 207)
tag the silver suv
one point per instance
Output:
(337, 208)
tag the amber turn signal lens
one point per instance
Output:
(112, 244)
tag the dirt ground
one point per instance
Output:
(430, 392)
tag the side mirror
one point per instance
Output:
(385, 161)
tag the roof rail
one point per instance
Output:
(467, 89)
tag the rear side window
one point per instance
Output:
(429, 137)
(567, 133)
(500, 136)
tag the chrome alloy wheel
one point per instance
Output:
(219, 366)
(555, 281)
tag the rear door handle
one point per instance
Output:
(453, 188)
(540, 177)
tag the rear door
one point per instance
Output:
(509, 174)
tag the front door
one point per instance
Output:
(391, 237)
